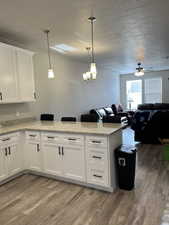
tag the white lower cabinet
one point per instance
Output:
(10, 156)
(63, 155)
(74, 162)
(34, 155)
(97, 161)
(82, 158)
(15, 159)
(3, 164)
(52, 158)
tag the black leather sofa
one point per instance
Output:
(107, 114)
(151, 122)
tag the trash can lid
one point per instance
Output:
(128, 149)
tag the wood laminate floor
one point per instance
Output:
(33, 200)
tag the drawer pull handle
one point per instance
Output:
(97, 157)
(59, 150)
(7, 139)
(95, 175)
(6, 151)
(50, 137)
(96, 142)
(9, 149)
(38, 148)
(72, 139)
(1, 96)
(32, 135)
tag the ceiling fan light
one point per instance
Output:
(139, 73)
(93, 68)
(51, 74)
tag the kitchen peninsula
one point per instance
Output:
(80, 153)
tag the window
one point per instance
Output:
(134, 93)
(153, 90)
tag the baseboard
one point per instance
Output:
(67, 180)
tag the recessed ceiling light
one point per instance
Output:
(63, 48)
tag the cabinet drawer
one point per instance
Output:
(96, 142)
(73, 140)
(51, 137)
(98, 177)
(6, 139)
(33, 135)
(97, 159)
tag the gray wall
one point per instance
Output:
(165, 84)
(67, 94)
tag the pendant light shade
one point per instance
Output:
(139, 71)
(51, 74)
(93, 69)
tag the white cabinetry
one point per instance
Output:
(3, 163)
(53, 163)
(81, 158)
(25, 76)
(64, 155)
(16, 75)
(33, 151)
(97, 160)
(10, 156)
(8, 75)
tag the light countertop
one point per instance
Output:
(67, 127)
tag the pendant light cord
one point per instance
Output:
(88, 51)
(92, 41)
(47, 34)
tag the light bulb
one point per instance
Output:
(139, 73)
(93, 68)
(51, 74)
(93, 76)
(88, 74)
(84, 76)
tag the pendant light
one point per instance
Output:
(139, 70)
(87, 75)
(93, 69)
(51, 74)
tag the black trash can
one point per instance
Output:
(125, 157)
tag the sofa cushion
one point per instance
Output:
(114, 108)
(102, 112)
(119, 108)
(95, 112)
(108, 110)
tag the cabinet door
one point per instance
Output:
(8, 75)
(14, 159)
(53, 162)
(34, 155)
(74, 162)
(25, 76)
(3, 164)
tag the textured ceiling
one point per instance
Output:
(126, 31)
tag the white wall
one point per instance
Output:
(67, 94)
(165, 84)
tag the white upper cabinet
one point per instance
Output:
(25, 76)
(8, 75)
(16, 75)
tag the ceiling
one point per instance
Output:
(125, 32)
